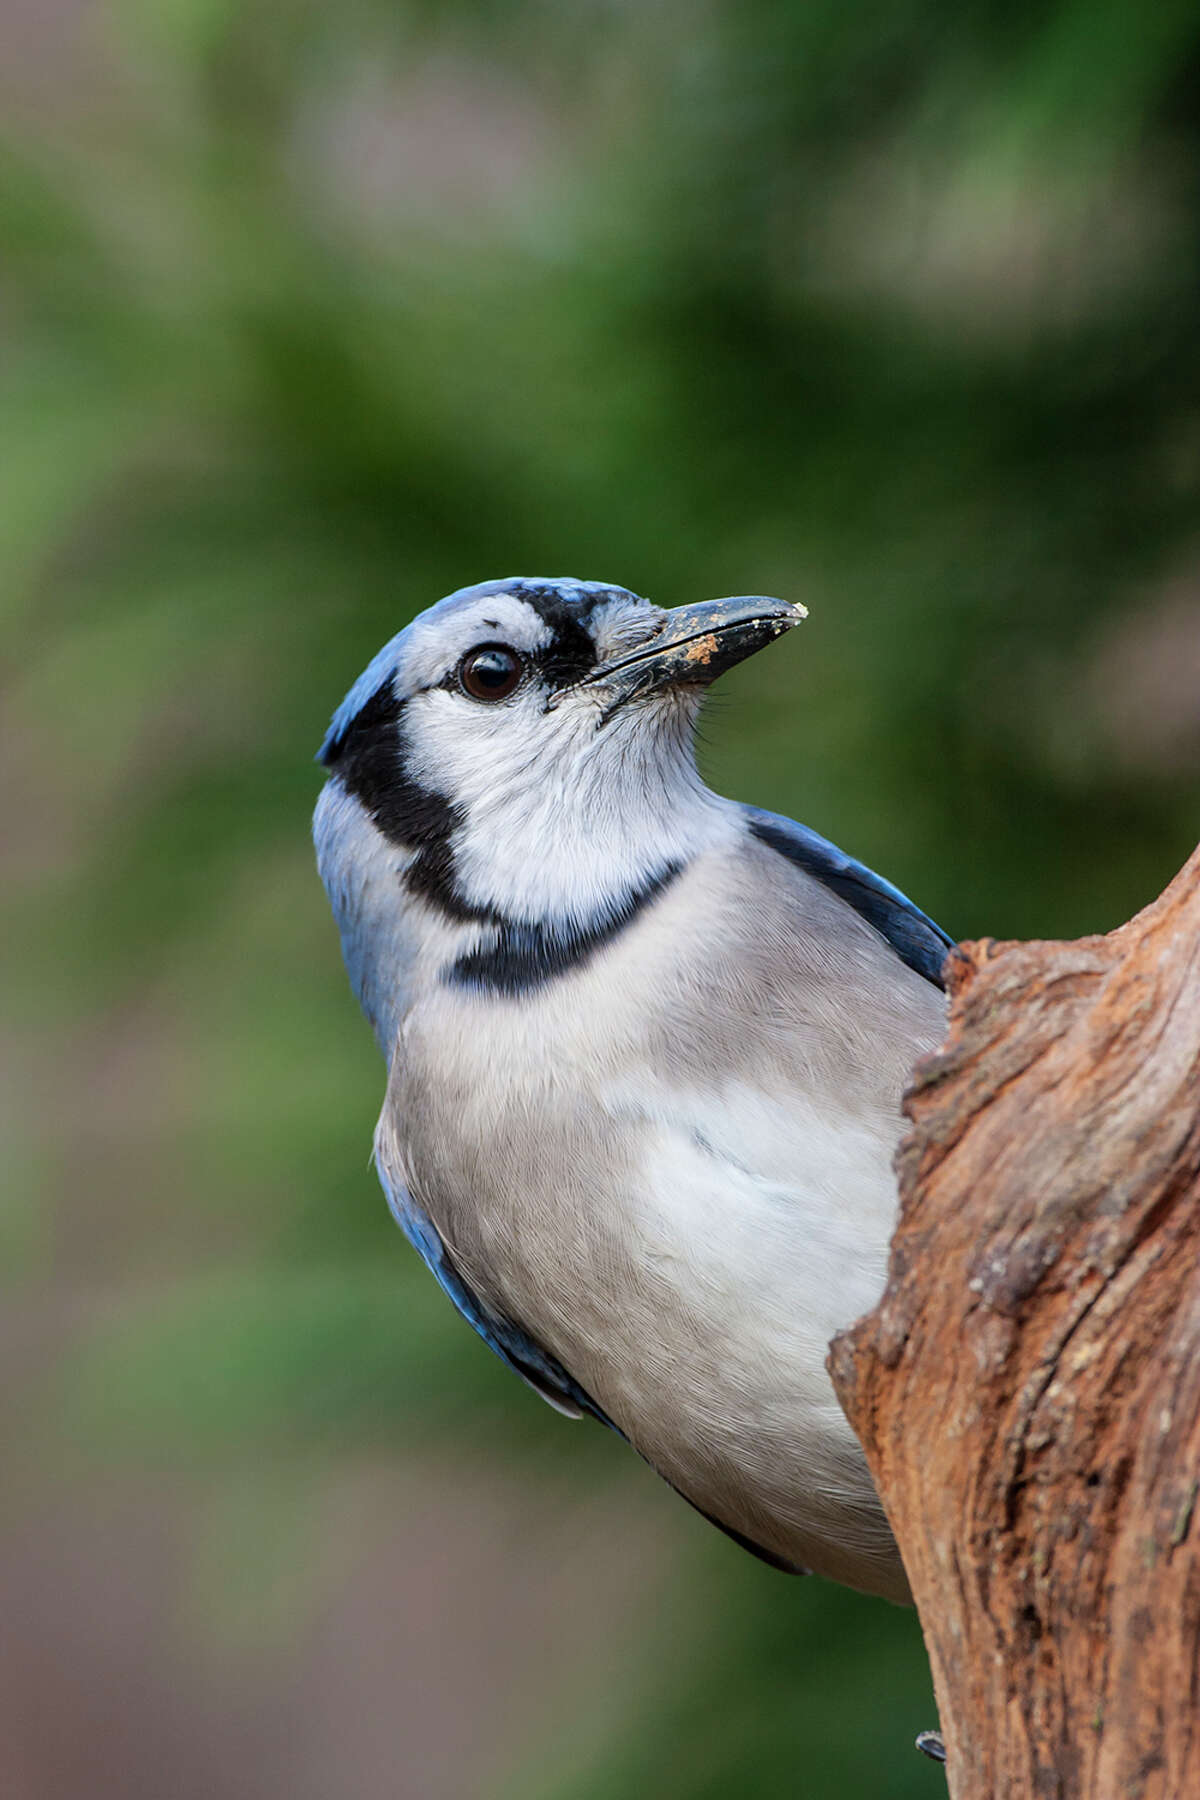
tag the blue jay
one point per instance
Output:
(645, 1045)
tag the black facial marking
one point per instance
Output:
(366, 754)
(527, 953)
(369, 758)
(571, 654)
(432, 877)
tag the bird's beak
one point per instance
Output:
(694, 645)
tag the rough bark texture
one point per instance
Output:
(1028, 1390)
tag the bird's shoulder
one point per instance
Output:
(912, 934)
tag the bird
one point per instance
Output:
(645, 1045)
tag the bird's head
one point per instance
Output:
(529, 742)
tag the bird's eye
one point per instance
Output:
(491, 672)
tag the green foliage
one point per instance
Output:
(326, 311)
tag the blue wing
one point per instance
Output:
(914, 937)
(515, 1348)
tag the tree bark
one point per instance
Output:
(1028, 1390)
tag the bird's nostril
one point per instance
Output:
(639, 631)
(625, 634)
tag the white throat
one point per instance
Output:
(568, 829)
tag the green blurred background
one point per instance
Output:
(309, 314)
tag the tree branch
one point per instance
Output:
(1028, 1390)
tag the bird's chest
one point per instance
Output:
(672, 1169)
(681, 1201)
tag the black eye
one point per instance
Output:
(490, 673)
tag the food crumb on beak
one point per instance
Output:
(702, 650)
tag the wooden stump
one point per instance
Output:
(1028, 1389)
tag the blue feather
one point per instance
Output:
(914, 937)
